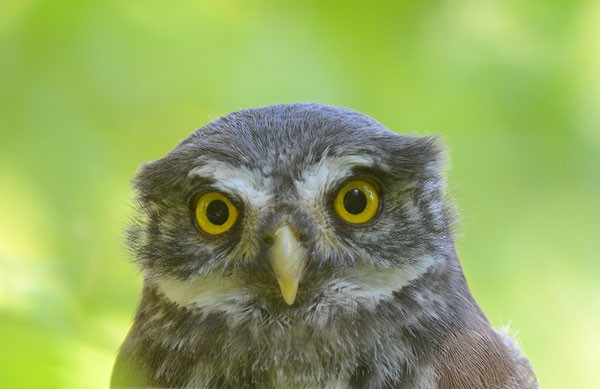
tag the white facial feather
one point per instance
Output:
(213, 293)
(239, 180)
(365, 285)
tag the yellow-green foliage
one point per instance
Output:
(90, 89)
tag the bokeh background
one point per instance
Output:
(90, 89)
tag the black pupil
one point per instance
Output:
(217, 212)
(355, 201)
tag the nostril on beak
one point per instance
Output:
(268, 240)
(303, 237)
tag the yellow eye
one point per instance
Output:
(357, 202)
(214, 213)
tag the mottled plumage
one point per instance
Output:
(379, 304)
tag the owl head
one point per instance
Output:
(298, 206)
(304, 245)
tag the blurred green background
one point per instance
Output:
(90, 89)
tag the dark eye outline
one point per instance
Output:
(192, 200)
(371, 179)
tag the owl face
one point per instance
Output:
(294, 207)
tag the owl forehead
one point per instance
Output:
(286, 150)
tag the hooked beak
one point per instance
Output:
(288, 259)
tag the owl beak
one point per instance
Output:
(288, 258)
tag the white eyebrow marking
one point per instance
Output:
(328, 172)
(250, 184)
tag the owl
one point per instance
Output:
(305, 246)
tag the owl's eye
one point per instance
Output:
(214, 213)
(357, 202)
